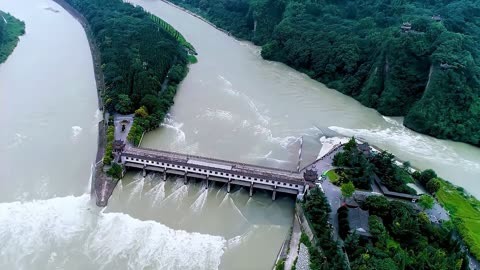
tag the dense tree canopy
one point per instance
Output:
(10, 29)
(402, 238)
(138, 52)
(430, 73)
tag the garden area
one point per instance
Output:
(325, 254)
(465, 213)
(353, 165)
(403, 238)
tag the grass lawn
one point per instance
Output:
(333, 176)
(465, 213)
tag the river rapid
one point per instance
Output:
(232, 105)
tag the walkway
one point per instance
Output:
(294, 242)
(119, 134)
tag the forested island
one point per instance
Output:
(10, 30)
(417, 59)
(142, 60)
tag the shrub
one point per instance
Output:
(426, 176)
(433, 185)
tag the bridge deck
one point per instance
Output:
(217, 164)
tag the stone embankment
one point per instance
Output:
(102, 185)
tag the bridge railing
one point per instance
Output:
(188, 156)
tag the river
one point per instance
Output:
(232, 105)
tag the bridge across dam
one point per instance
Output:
(209, 169)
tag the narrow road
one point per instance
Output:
(294, 242)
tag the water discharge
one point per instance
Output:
(66, 232)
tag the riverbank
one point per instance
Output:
(200, 18)
(102, 185)
(11, 29)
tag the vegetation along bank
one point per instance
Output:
(361, 168)
(417, 59)
(142, 59)
(10, 30)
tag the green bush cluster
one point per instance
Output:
(465, 212)
(139, 54)
(357, 168)
(108, 155)
(9, 34)
(359, 49)
(402, 238)
(354, 165)
(280, 265)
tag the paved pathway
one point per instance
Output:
(119, 134)
(303, 262)
(294, 241)
(334, 197)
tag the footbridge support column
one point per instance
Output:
(274, 194)
(206, 182)
(251, 189)
(144, 173)
(228, 185)
(185, 178)
(164, 174)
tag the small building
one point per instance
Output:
(365, 149)
(358, 221)
(351, 203)
(118, 146)
(311, 175)
(437, 18)
(406, 27)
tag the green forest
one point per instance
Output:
(10, 30)
(403, 238)
(143, 60)
(427, 72)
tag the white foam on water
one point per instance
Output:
(240, 239)
(148, 244)
(18, 139)
(262, 118)
(199, 203)
(177, 127)
(238, 210)
(157, 193)
(76, 130)
(269, 158)
(176, 196)
(137, 189)
(329, 143)
(50, 232)
(416, 144)
(245, 124)
(219, 114)
(225, 200)
(228, 87)
(284, 142)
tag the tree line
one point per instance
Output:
(10, 30)
(142, 63)
(428, 73)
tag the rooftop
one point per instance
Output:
(217, 164)
(358, 220)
